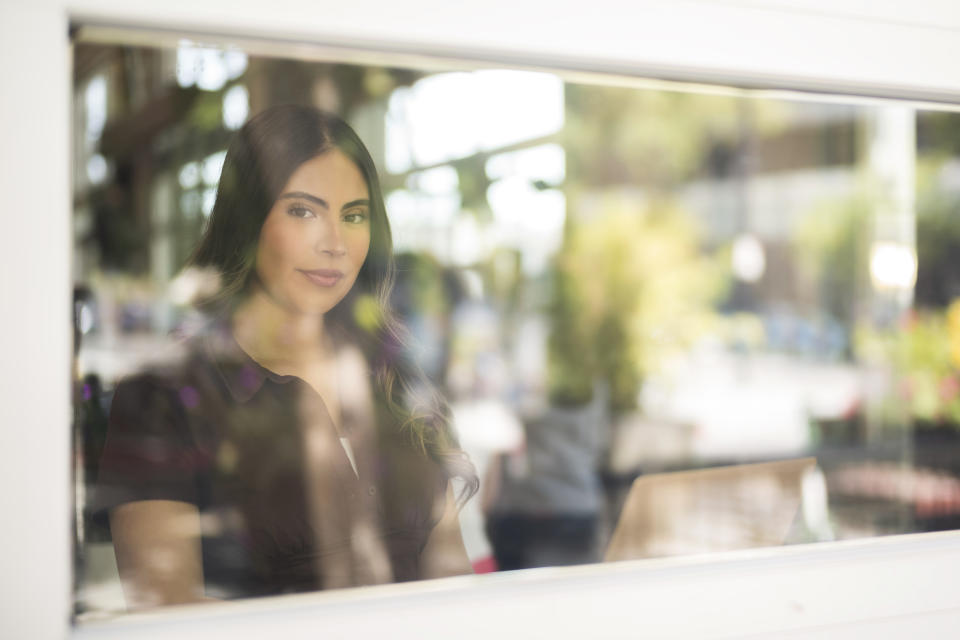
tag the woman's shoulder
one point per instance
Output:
(170, 375)
(157, 415)
(178, 356)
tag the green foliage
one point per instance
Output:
(652, 138)
(631, 289)
(834, 242)
(925, 354)
(206, 114)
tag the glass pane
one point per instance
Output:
(644, 319)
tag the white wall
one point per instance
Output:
(885, 48)
(882, 588)
(34, 322)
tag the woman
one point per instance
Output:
(294, 448)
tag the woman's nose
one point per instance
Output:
(330, 239)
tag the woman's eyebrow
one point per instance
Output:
(362, 202)
(305, 196)
(320, 201)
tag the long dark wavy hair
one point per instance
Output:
(259, 162)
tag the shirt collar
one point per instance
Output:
(242, 375)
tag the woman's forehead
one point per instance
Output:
(332, 173)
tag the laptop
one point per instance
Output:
(707, 510)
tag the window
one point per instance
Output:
(606, 281)
(902, 52)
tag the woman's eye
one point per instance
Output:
(355, 217)
(300, 212)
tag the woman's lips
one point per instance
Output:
(323, 277)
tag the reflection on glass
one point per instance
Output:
(663, 322)
(285, 443)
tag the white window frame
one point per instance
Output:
(873, 588)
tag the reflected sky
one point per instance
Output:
(453, 115)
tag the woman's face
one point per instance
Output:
(316, 237)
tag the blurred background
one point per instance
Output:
(608, 280)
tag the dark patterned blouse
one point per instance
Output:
(282, 506)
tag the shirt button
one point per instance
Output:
(372, 491)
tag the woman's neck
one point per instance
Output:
(278, 339)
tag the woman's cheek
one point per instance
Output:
(275, 254)
(360, 247)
